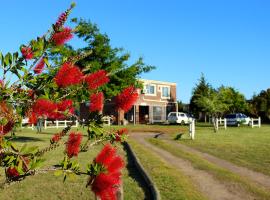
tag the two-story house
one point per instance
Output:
(156, 100)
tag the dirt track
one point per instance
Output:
(206, 183)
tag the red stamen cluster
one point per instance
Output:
(119, 134)
(97, 79)
(61, 20)
(32, 118)
(68, 75)
(60, 38)
(127, 98)
(12, 172)
(73, 144)
(27, 53)
(64, 107)
(4, 129)
(39, 66)
(56, 137)
(44, 107)
(105, 184)
(96, 102)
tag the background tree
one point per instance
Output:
(234, 100)
(212, 103)
(260, 105)
(103, 57)
(202, 89)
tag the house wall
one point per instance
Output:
(153, 102)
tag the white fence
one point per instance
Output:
(106, 120)
(192, 129)
(257, 122)
(58, 124)
(220, 122)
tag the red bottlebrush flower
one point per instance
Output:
(12, 172)
(4, 129)
(56, 137)
(127, 98)
(65, 107)
(32, 118)
(73, 144)
(97, 79)
(120, 133)
(96, 102)
(68, 75)
(31, 93)
(27, 53)
(1, 83)
(106, 183)
(60, 38)
(39, 66)
(44, 107)
(105, 186)
(61, 20)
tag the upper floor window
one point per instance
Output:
(165, 92)
(150, 89)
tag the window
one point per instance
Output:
(165, 92)
(150, 89)
(157, 113)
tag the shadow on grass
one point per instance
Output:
(24, 139)
(133, 172)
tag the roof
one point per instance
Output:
(158, 82)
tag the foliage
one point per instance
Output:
(201, 90)
(103, 57)
(34, 85)
(260, 105)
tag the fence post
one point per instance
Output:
(32, 126)
(259, 122)
(65, 123)
(77, 123)
(252, 122)
(225, 123)
(57, 124)
(193, 129)
(217, 121)
(45, 124)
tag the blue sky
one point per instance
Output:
(227, 40)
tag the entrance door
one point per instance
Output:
(143, 114)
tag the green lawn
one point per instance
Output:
(225, 176)
(47, 186)
(171, 183)
(245, 146)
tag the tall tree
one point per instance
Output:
(213, 104)
(261, 104)
(234, 100)
(103, 57)
(202, 89)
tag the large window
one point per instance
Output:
(165, 92)
(150, 89)
(157, 113)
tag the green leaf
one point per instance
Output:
(23, 148)
(58, 173)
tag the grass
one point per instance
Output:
(221, 174)
(48, 186)
(244, 146)
(171, 183)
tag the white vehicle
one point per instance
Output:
(179, 118)
(237, 119)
